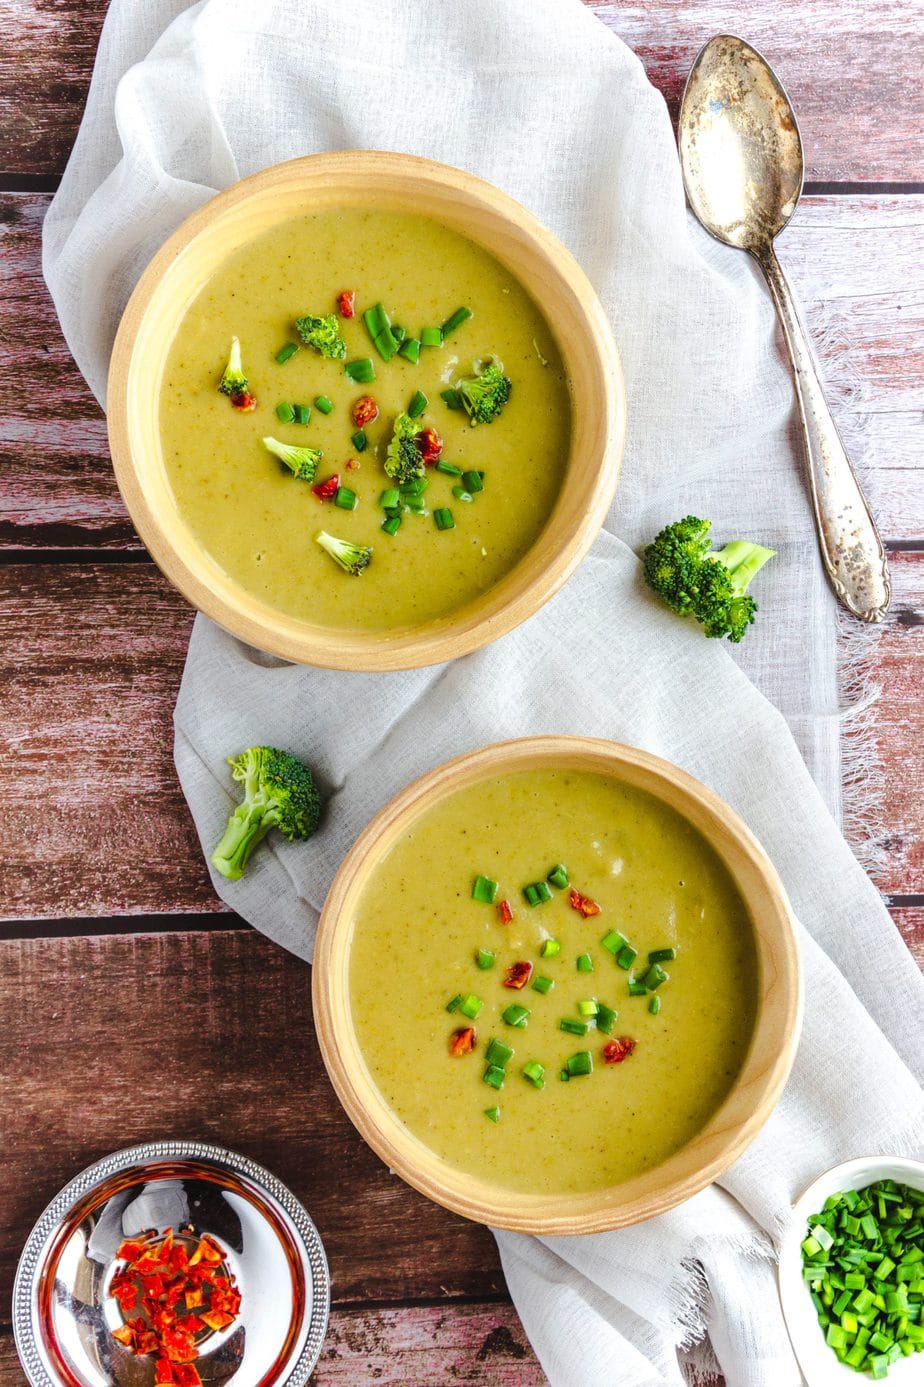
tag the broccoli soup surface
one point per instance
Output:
(444, 544)
(422, 942)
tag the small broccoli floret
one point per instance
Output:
(403, 460)
(709, 584)
(233, 381)
(302, 462)
(352, 558)
(279, 792)
(323, 334)
(485, 393)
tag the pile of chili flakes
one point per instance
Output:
(179, 1293)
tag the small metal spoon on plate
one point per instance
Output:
(741, 156)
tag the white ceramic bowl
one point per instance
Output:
(819, 1365)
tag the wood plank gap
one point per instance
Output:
(20, 930)
(846, 189)
(10, 557)
(418, 1303)
(29, 182)
(901, 546)
(900, 902)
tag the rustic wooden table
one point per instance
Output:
(134, 1004)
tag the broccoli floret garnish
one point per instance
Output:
(233, 381)
(323, 334)
(302, 462)
(403, 460)
(709, 584)
(279, 792)
(485, 393)
(352, 558)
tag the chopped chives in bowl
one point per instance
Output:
(470, 1006)
(360, 369)
(550, 948)
(542, 984)
(484, 958)
(286, 353)
(537, 892)
(322, 403)
(572, 1027)
(285, 412)
(558, 876)
(535, 1073)
(359, 440)
(585, 963)
(515, 1015)
(418, 404)
(626, 956)
(454, 321)
(484, 889)
(431, 337)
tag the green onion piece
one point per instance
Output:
(359, 440)
(572, 1027)
(392, 524)
(564, 1075)
(541, 984)
(286, 353)
(637, 989)
(302, 414)
(537, 892)
(626, 956)
(444, 518)
(494, 1076)
(461, 494)
(452, 397)
(549, 948)
(470, 1006)
(614, 942)
(431, 337)
(662, 955)
(498, 1054)
(585, 963)
(398, 333)
(345, 498)
(454, 1002)
(606, 1018)
(484, 890)
(484, 958)
(588, 1006)
(581, 1063)
(492, 1114)
(410, 349)
(386, 344)
(417, 504)
(390, 498)
(360, 370)
(654, 977)
(285, 412)
(558, 876)
(535, 1073)
(418, 404)
(455, 320)
(516, 1015)
(376, 319)
(415, 487)
(322, 403)
(473, 481)
(654, 1005)
(448, 469)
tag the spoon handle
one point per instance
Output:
(851, 549)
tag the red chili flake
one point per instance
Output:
(129, 1249)
(462, 1042)
(216, 1319)
(164, 1373)
(518, 975)
(615, 1051)
(125, 1335)
(583, 904)
(505, 911)
(244, 402)
(429, 445)
(185, 1375)
(353, 464)
(327, 490)
(365, 411)
(346, 300)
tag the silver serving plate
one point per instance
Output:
(63, 1316)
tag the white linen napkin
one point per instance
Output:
(538, 97)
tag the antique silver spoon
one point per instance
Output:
(741, 156)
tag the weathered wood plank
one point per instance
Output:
(856, 263)
(112, 1040)
(850, 67)
(96, 822)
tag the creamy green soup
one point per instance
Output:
(416, 935)
(259, 522)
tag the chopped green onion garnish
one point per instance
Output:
(662, 955)
(498, 1054)
(494, 1076)
(614, 942)
(572, 1027)
(302, 414)
(493, 1114)
(558, 876)
(417, 504)
(515, 1015)
(535, 1072)
(359, 440)
(541, 984)
(637, 989)
(564, 1075)
(431, 337)
(410, 349)
(286, 353)
(606, 1018)
(285, 412)
(550, 947)
(443, 518)
(654, 977)
(626, 956)
(390, 499)
(470, 1006)
(585, 963)
(484, 890)
(473, 481)
(581, 1063)
(398, 333)
(454, 1002)
(461, 494)
(484, 958)
(448, 469)
(418, 404)
(345, 498)
(455, 320)
(415, 487)
(654, 1005)
(322, 403)
(588, 1006)
(537, 892)
(452, 398)
(360, 370)
(392, 524)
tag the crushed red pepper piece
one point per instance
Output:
(244, 402)
(327, 490)
(518, 974)
(353, 464)
(346, 303)
(615, 1051)
(429, 445)
(505, 911)
(365, 411)
(462, 1042)
(583, 904)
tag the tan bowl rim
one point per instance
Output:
(741, 1115)
(504, 606)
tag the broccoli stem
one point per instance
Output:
(743, 559)
(247, 826)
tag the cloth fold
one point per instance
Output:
(538, 97)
